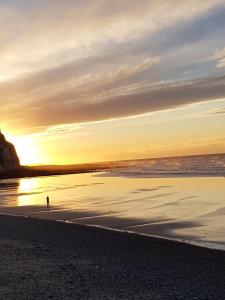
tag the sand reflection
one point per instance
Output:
(182, 208)
(9, 192)
(27, 187)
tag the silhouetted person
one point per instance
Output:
(47, 199)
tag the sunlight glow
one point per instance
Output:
(193, 129)
(27, 150)
(26, 187)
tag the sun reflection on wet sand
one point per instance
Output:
(27, 186)
(185, 208)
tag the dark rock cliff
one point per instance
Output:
(8, 157)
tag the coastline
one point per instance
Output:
(29, 171)
(156, 169)
(50, 259)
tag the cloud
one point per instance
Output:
(219, 57)
(64, 62)
(62, 128)
(61, 109)
(215, 111)
(45, 34)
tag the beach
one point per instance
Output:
(117, 234)
(189, 209)
(43, 259)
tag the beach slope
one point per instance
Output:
(41, 259)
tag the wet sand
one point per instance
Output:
(186, 209)
(43, 259)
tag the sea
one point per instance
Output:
(179, 198)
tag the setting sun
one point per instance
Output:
(27, 150)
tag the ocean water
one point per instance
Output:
(143, 197)
(198, 165)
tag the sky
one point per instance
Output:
(97, 80)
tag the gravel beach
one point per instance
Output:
(41, 259)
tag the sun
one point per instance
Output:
(27, 150)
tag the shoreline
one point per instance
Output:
(123, 231)
(51, 170)
(111, 230)
(32, 173)
(114, 230)
(61, 260)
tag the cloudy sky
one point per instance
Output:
(96, 80)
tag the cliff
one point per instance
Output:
(8, 157)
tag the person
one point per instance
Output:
(47, 199)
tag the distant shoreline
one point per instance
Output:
(37, 171)
(155, 167)
(29, 172)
